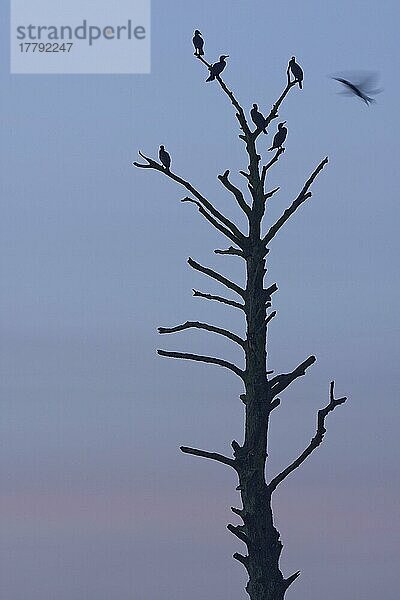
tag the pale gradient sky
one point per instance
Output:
(96, 501)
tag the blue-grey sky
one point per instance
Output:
(96, 500)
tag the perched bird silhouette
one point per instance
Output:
(198, 43)
(257, 118)
(279, 137)
(164, 158)
(217, 68)
(297, 71)
(361, 87)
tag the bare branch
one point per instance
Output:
(240, 115)
(269, 291)
(270, 317)
(281, 382)
(211, 455)
(238, 531)
(273, 160)
(316, 440)
(218, 299)
(274, 404)
(290, 579)
(242, 559)
(248, 137)
(237, 449)
(274, 110)
(213, 221)
(152, 164)
(235, 191)
(206, 359)
(271, 193)
(247, 175)
(220, 278)
(273, 114)
(206, 327)
(230, 250)
(304, 194)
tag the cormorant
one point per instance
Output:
(297, 71)
(279, 137)
(217, 68)
(198, 43)
(362, 88)
(164, 158)
(257, 118)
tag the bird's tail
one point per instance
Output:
(301, 85)
(201, 52)
(211, 78)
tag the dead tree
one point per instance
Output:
(261, 392)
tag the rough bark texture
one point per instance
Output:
(257, 532)
(262, 539)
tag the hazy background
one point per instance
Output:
(97, 503)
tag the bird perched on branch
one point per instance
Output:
(279, 137)
(362, 87)
(198, 43)
(217, 68)
(257, 118)
(297, 71)
(164, 158)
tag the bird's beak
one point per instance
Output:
(283, 122)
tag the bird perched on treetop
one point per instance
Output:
(297, 71)
(164, 158)
(362, 88)
(217, 68)
(279, 137)
(257, 118)
(198, 43)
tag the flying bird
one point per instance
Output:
(361, 86)
(279, 137)
(257, 118)
(198, 43)
(164, 158)
(217, 68)
(297, 71)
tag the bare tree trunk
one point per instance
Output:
(266, 581)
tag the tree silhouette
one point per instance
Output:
(261, 392)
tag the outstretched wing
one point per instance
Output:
(366, 82)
